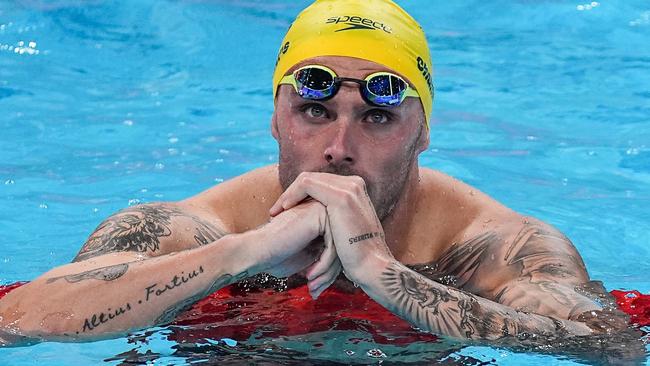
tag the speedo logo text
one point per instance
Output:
(357, 23)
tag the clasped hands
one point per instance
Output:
(353, 235)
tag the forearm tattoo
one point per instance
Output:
(140, 229)
(544, 262)
(109, 273)
(441, 309)
(156, 290)
(538, 269)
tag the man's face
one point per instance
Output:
(344, 135)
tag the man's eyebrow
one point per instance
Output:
(370, 69)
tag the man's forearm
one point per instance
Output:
(441, 309)
(95, 299)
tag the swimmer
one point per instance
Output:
(353, 90)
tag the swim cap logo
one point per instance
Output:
(357, 23)
(424, 69)
(282, 51)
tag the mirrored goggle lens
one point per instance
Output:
(386, 89)
(386, 85)
(314, 83)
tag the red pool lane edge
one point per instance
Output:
(635, 304)
(222, 307)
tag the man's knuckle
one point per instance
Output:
(357, 185)
(348, 197)
(305, 179)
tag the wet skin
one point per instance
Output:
(347, 176)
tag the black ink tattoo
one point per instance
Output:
(175, 282)
(418, 290)
(137, 229)
(462, 260)
(540, 258)
(551, 252)
(140, 229)
(420, 301)
(109, 273)
(170, 313)
(104, 317)
(365, 236)
(206, 234)
(547, 265)
(453, 312)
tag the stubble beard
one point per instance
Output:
(384, 193)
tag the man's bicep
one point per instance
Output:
(546, 298)
(152, 229)
(545, 271)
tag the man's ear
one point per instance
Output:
(274, 126)
(423, 139)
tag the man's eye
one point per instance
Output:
(378, 117)
(315, 111)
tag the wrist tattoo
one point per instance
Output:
(365, 236)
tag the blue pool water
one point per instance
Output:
(545, 105)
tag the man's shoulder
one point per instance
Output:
(242, 202)
(480, 223)
(453, 195)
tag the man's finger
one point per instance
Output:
(323, 282)
(295, 264)
(327, 258)
(323, 187)
(295, 193)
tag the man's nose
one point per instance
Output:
(340, 148)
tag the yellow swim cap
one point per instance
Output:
(373, 30)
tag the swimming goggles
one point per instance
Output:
(316, 82)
